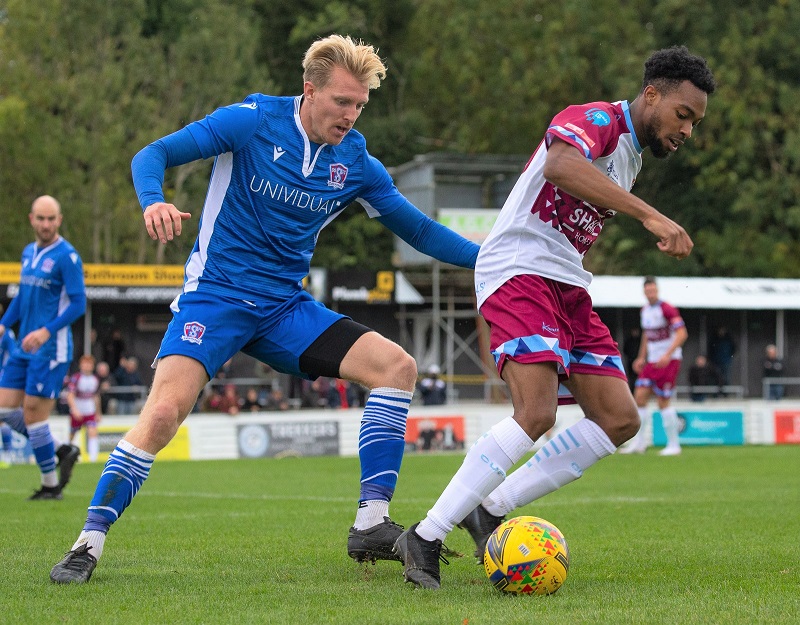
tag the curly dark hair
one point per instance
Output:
(669, 67)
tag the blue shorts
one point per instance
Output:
(211, 328)
(40, 377)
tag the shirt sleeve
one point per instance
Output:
(430, 237)
(672, 315)
(379, 195)
(225, 130)
(72, 274)
(588, 127)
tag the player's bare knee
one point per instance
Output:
(535, 420)
(621, 426)
(160, 420)
(402, 371)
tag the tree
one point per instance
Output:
(89, 84)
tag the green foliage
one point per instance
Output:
(89, 84)
(84, 85)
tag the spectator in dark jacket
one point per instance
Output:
(703, 373)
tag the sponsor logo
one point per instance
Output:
(581, 133)
(492, 466)
(277, 152)
(612, 172)
(293, 197)
(549, 329)
(193, 332)
(338, 176)
(598, 117)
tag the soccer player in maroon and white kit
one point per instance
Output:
(549, 344)
(658, 364)
(83, 399)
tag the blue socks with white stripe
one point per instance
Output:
(44, 450)
(381, 443)
(127, 468)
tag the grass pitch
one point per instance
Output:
(712, 536)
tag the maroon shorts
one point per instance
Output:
(77, 422)
(660, 381)
(534, 319)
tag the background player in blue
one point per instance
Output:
(51, 297)
(285, 167)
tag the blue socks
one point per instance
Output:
(15, 419)
(381, 441)
(127, 468)
(45, 451)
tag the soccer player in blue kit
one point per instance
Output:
(285, 167)
(51, 297)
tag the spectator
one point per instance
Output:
(773, 368)
(315, 393)
(210, 397)
(127, 376)
(277, 400)
(95, 346)
(227, 402)
(340, 394)
(703, 373)
(250, 401)
(721, 349)
(103, 373)
(432, 387)
(114, 349)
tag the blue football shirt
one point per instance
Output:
(272, 190)
(51, 294)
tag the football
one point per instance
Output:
(526, 555)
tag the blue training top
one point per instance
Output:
(272, 191)
(51, 295)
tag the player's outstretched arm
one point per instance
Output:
(569, 170)
(164, 221)
(430, 237)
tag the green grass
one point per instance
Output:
(712, 536)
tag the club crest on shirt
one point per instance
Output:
(193, 332)
(48, 264)
(338, 176)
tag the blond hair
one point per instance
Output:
(358, 58)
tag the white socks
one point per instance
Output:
(560, 461)
(370, 513)
(94, 539)
(484, 468)
(639, 442)
(669, 417)
(93, 449)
